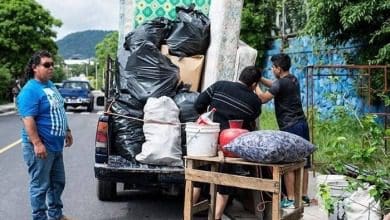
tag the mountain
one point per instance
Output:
(80, 45)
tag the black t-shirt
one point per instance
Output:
(287, 99)
(233, 100)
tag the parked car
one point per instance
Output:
(58, 85)
(77, 93)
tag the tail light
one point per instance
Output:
(101, 140)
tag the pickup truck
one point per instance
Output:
(77, 93)
(110, 168)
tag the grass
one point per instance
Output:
(267, 120)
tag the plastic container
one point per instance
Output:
(206, 118)
(202, 140)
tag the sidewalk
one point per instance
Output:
(6, 108)
(313, 212)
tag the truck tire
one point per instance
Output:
(106, 190)
(90, 107)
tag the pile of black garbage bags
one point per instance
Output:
(144, 72)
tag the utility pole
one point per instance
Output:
(96, 75)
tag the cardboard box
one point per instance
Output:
(190, 67)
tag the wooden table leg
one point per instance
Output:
(298, 187)
(213, 194)
(188, 203)
(276, 196)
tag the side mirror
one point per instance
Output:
(100, 101)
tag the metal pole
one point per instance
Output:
(96, 75)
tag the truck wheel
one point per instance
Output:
(90, 107)
(106, 190)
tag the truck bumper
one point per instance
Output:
(119, 169)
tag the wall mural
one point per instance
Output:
(339, 88)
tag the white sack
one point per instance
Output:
(162, 141)
(361, 206)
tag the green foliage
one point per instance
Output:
(256, 25)
(358, 141)
(25, 27)
(329, 201)
(81, 45)
(106, 48)
(5, 81)
(362, 22)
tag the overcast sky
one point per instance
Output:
(81, 15)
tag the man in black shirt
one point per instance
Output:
(289, 113)
(232, 100)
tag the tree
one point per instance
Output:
(361, 22)
(107, 47)
(25, 27)
(256, 25)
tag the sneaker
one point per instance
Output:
(305, 201)
(287, 204)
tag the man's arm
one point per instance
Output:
(266, 82)
(263, 96)
(203, 100)
(31, 129)
(68, 138)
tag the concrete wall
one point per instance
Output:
(329, 91)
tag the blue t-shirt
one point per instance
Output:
(43, 102)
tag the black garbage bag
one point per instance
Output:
(191, 34)
(148, 73)
(155, 31)
(127, 134)
(185, 100)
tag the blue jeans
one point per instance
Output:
(47, 178)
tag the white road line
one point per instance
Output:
(4, 149)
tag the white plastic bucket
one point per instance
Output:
(202, 140)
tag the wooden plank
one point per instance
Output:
(232, 180)
(298, 187)
(188, 201)
(213, 194)
(276, 196)
(291, 167)
(200, 206)
(232, 160)
(187, 212)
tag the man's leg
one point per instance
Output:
(39, 172)
(56, 187)
(195, 194)
(289, 182)
(220, 205)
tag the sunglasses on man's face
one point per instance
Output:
(48, 64)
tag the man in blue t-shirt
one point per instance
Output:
(43, 135)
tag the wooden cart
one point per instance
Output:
(193, 174)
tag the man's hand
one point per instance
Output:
(68, 139)
(40, 150)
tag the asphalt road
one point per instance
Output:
(79, 197)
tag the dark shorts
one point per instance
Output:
(301, 129)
